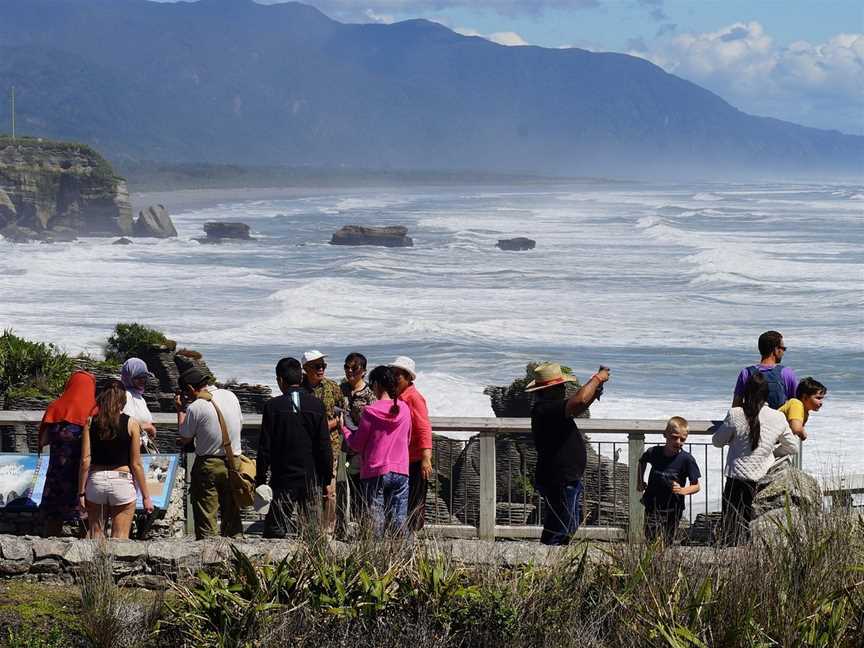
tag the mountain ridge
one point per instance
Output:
(232, 81)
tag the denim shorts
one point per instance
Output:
(111, 487)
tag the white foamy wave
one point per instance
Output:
(706, 197)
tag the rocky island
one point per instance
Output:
(393, 236)
(52, 190)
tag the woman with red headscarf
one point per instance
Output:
(61, 428)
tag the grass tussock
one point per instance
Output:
(799, 584)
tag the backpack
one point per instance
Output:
(776, 387)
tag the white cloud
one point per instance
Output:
(509, 38)
(385, 19)
(819, 84)
(354, 9)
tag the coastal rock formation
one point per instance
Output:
(53, 185)
(8, 213)
(517, 244)
(218, 232)
(785, 482)
(122, 241)
(393, 236)
(154, 222)
(605, 498)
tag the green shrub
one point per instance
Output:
(32, 368)
(130, 339)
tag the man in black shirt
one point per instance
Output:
(561, 451)
(295, 447)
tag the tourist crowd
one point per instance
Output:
(378, 423)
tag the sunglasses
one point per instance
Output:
(781, 347)
(352, 369)
(318, 366)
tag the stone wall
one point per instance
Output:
(155, 564)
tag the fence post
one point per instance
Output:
(635, 448)
(488, 496)
(190, 520)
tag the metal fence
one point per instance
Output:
(483, 483)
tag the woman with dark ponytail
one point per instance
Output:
(755, 434)
(381, 440)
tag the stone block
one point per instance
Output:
(174, 552)
(81, 551)
(13, 548)
(279, 549)
(50, 547)
(45, 566)
(128, 549)
(14, 567)
(146, 581)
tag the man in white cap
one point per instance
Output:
(328, 392)
(561, 451)
(420, 442)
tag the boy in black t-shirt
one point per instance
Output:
(671, 467)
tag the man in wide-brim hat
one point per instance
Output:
(561, 451)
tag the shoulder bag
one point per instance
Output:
(241, 469)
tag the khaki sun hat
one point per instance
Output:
(546, 375)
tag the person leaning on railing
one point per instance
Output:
(561, 450)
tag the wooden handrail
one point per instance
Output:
(488, 424)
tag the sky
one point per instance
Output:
(798, 60)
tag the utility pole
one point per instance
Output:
(13, 113)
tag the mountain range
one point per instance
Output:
(231, 81)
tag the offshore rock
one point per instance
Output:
(54, 184)
(218, 232)
(17, 234)
(154, 222)
(122, 241)
(394, 236)
(517, 244)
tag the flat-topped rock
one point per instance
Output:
(517, 244)
(392, 236)
(220, 232)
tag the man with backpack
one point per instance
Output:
(781, 380)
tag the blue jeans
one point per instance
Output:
(563, 512)
(387, 499)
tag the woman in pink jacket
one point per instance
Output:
(381, 440)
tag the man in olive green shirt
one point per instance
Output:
(329, 393)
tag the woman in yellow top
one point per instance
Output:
(808, 398)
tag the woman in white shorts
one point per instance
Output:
(111, 465)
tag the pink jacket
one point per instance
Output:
(381, 439)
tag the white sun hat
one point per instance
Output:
(405, 364)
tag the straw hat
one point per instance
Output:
(546, 375)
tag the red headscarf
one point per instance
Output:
(76, 403)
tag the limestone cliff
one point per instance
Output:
(60, 186)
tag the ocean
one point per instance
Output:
(669, 285)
